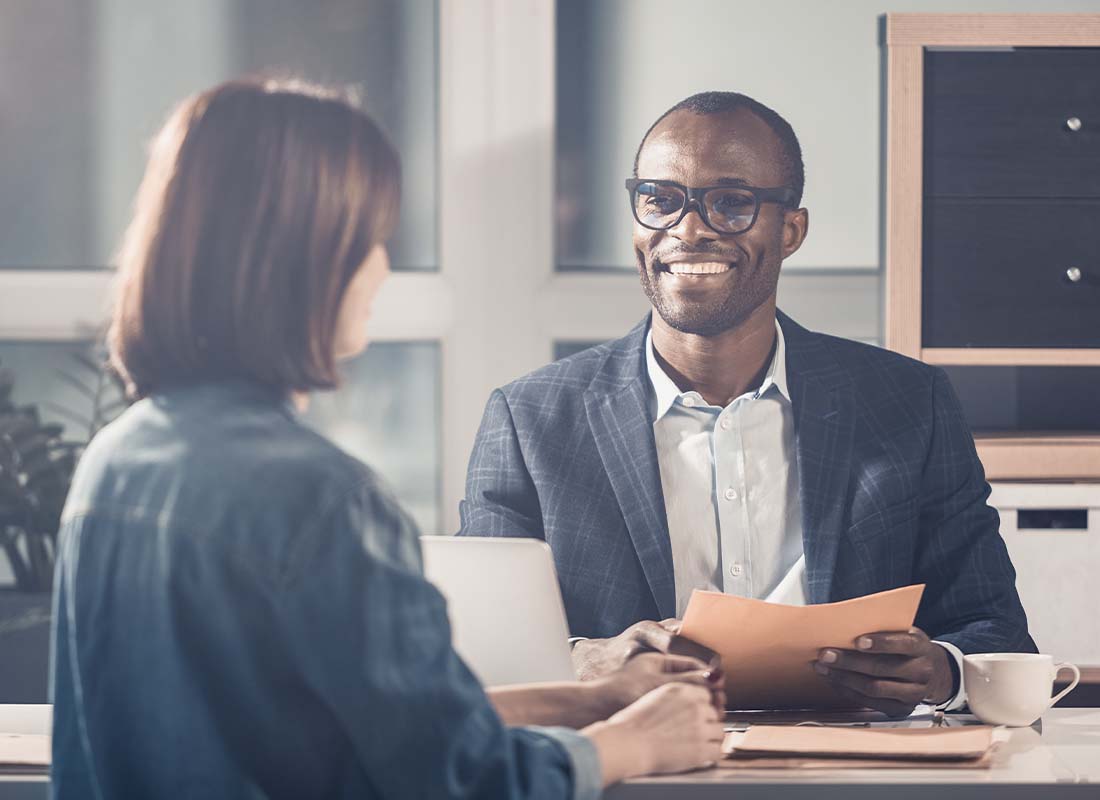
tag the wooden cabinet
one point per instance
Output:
(993, 227)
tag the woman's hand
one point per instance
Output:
(579, 703)
(672, 729)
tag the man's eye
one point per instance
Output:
(663, 204)
(733, 205)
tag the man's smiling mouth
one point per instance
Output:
(694, 267)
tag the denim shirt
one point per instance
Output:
(239, 611)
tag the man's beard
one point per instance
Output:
(714, 314)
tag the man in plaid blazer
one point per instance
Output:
(720, 445)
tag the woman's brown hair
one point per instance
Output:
(260, 202)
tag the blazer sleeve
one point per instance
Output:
(373, 644)
(970, 599)
(501, 498)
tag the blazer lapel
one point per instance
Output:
(617, 404)
(823, 400)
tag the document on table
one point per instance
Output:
(817, 747)
(24, 752)
(767, 648)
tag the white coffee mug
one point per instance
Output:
(1013, 688)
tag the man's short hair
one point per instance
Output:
(794, 172)
(260, 202)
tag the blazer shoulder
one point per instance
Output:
(573, 374)
(869, 364)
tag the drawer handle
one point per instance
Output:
(1074, 124)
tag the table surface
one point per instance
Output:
(1059, 754)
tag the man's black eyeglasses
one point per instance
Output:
(660, 205)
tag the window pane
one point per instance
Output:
(564, 349)
(622, 63)
(64, 382)
(591, 209)
(387, 414)
(85, 85)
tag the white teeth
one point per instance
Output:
(705, 268)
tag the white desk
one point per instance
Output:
(1063, 759)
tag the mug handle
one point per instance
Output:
(1073, 685)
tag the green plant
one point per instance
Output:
(37, 464)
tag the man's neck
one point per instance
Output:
(719, 367)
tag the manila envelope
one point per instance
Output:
(824, 747)
(767, 648)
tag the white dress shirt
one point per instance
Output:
(730, 481)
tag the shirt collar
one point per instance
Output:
(666, 392)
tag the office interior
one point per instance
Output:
(516, 123)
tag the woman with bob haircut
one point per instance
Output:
(239, 605)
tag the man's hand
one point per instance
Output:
(593, 658)
(890, 672)
(647, 671)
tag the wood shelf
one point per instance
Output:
(1090, 674)
(1011, 357)
(1031, 456)
(1087, 693)
(993, 30)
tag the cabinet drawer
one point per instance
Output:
(995, 273)
(1055, 566)
(995, 123)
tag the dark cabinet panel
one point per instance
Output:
(995, 273)
(1029, 399)
(1001, 123)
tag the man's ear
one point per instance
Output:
(796, 224)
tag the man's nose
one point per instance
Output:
(691, 229)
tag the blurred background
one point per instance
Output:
(517, 121)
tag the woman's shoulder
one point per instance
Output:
(247, 457)
(260, 485)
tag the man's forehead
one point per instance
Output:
(703, 148)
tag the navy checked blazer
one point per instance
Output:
(892, 489)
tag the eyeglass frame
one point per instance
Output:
(694, 195)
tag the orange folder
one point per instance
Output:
(767, 648)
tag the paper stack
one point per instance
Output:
(825, 747)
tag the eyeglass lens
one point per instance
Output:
(659, 206)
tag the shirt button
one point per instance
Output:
(735, 570)
(689, 401)
(731, 494)
(726, 424)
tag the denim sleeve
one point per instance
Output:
(587, 771)
(373, 642)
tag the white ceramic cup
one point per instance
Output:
(1013, 688)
